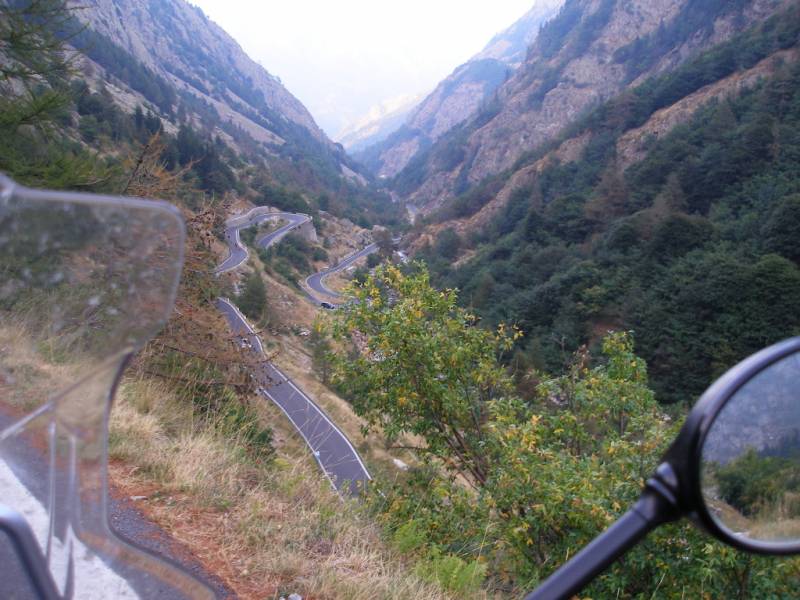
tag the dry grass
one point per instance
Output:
(341, 279)
(773, 524)
(34, 368)
(25, 378)
(342, 237)
(787, 530)
(267, 530)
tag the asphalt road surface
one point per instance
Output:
(238, 253)
(30, 487)
(336, 456)
(334, 453)
(317, 281)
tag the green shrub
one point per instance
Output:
(451, 572)
(409, 537)
(752, 483)
(253, 298)
(284, 269)
(319, 254)
(240, 421)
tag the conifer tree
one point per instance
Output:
(253, 299)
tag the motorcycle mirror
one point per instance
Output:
(745, 466)
(734, 470)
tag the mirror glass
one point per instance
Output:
(751, 457)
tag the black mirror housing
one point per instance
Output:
(675, 489)
(680, 473)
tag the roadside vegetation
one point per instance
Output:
(260, 516)
(504, 488)
(293, 258)
(511, 471)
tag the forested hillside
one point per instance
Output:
(508, 486)
(692, 244)
(512, 394)
(201, 456)
(589, 53)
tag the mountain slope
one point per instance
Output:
(164, 62)
(671, 210)
(460, 95)
(511, 45)
(593, 50)
(178, 42)
(378, 124)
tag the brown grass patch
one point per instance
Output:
(266, 529)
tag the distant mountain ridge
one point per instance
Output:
(378, 124)
(593, 50)
(460, 95)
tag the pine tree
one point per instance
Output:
(253, 299)
(34, 94)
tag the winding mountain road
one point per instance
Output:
(238, 253)
(336, 456)
(334, 453)
(317, 281)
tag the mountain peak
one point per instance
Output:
(511, 45)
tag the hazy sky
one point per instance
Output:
(342, 57)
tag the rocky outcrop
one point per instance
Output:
(584, 56)
(308, 232)
(633, 144)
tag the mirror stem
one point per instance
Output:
(655, 506)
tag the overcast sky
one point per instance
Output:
(342, 57)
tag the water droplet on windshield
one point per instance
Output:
(44, 242)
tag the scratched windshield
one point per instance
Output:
(84, 282)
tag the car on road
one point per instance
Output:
(327, 305)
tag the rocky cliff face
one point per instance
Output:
(461, 94)
(178, 42)
(631, 147)
(592, 51)
(511, 46)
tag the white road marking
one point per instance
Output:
(93, 578)
(343, 264)
(310, 404)
(246, 221)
